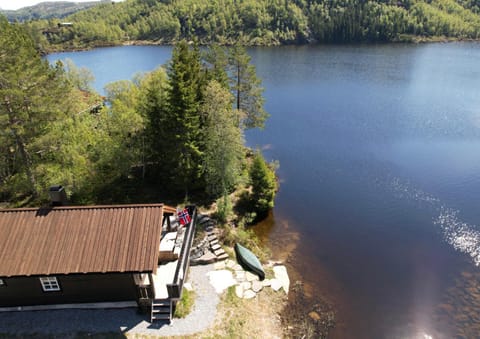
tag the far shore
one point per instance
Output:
(403, 40)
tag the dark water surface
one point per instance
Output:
(379, 151)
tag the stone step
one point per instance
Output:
(207, 258)
(222, 256)
(215, 247)
(219, 252)
(213, 242)
(204, 221)
(214, 232)
(212, 237)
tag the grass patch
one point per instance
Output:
(246, 237)
(185, 304)
(253, 318)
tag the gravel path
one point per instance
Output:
(119, 320)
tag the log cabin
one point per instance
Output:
(94, 257)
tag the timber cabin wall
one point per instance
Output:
(74, 288)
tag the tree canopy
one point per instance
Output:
(177, 130)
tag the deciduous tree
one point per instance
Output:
(224, 150)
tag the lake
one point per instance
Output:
(379, 151)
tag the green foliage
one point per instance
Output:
(271, 22)
(246, 87)
(80, 78)
(176, 128)
(32, 99)
(264, 184)
(247, 238)
(151, 103)
(184, 95)
(185, 304)
(50, 136)
(46, 10)
(224, 209)
(223, 140)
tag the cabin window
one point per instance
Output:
(50, 284)
(2, 283)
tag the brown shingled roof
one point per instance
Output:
(64, 240)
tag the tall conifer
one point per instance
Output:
(186, 80)
(31, 97)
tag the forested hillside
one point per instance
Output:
(265, 22)
(47, 10)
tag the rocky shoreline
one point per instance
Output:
(227, 272)
(313, 318)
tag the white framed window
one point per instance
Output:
(2, 283)
(50, 284)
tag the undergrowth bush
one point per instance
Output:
(185, 304)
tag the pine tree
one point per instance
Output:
(246, 87)
(216, 59)
(31, 97)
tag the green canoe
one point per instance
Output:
(249, 261)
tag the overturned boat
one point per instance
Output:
(249, 261)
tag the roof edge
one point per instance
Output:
(168, 209)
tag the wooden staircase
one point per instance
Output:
(161, 310)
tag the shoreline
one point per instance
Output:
(303, 311)
(408, 40)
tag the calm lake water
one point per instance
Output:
(379, 151)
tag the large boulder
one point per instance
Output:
(249, 294)
(221, 280)
(257, 286)
(275, 284)
(281, 275)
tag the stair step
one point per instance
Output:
(215, 247)
(163, 309)
(213, 242)
(222, 256)
(204, 220)
(160, 304)
(161, 317)
(219, 252)
(212, 237)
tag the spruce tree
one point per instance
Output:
(264, 185)
(186, 83)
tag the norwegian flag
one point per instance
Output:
(183, 217)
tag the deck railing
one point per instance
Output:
(175, 289)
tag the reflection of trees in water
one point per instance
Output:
(460, 307)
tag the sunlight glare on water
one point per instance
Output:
(462, 236)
